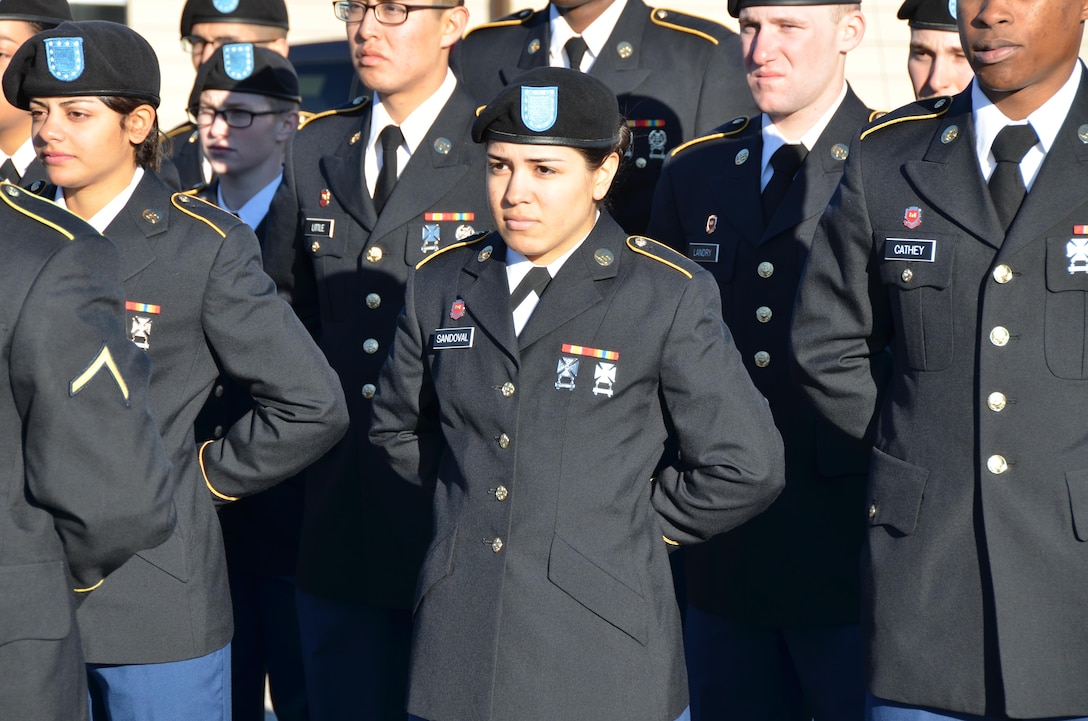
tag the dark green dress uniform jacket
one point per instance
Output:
(344, 269)
(196, 294)
(85, 480)
(976, 566)
(561, 457)
(798, 562)
(676, 76)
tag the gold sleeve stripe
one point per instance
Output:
(5, 195)
(690, 31)
(204, 472)
(201, 218)
(89, 588)
(669, 541)
(104, 359)
(439, 252)
(659, 259)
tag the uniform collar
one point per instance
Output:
(773, 139)
(102, 219)
(253, 210)
(596, 35)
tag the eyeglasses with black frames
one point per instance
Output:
(385, 13)
(233, 117)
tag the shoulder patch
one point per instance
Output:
(467, 241)
(44, 211)
(660, 252)
(682, 22)
(921, 110)
(353, 107)
(730, 129)
(208, 213)
(518, 18)
(182, 129)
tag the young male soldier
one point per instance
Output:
(86, 481)
(958, 242)
(19, 21)
(772, 621)
(245, 105)
(205, 26)
(936, 63)
(371, 189)
(676, 76)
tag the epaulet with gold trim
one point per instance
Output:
(690, 24)
(304, 117)
(874, 114)
(517, 18)
(208, 213)
(180, 130)
(731, 128)
(353, 107)
(467, 241)
(43, 211)
(661, 253)
(921, 110)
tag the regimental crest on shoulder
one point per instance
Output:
(64, 56)
(539, 107)
(225, 6)
(238, 60)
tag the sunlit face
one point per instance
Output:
(936, 64)
(409, 59)
(1022, 47)
(13, 33)
(543, 197)
(239, 150)
(82, 143)
(794, 54)
(216, 35)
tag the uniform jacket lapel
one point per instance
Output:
(821, 172)
(486, 292)
(624, 74)
(948, 178)
(1058, 189)
(430, 174)
(143, 218)
(534, 53)
(343, 171)
(739, 187)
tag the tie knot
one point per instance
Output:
(575, 48)
(1013, 143)
(788, 159)
(390, 138)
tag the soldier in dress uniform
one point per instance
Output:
(207, 25)
(936, 63)
(156, 637)
(958, 243)
(20, 20)
(676, 76)
(245, 104)
(772, 621)
(370, 189)
(86, 480)
(577, 402)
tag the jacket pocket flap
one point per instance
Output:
(436, 565)
(169, 557)
(896, 489)
(37, 602)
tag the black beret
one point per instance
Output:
(93, 57)
(50, 12)
(736, 5)
(245, 68)
(251, 12)
(552, 106)
(929, 14)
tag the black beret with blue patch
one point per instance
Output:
(246, 68)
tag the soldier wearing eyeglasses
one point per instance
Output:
(370, 190)
(207, 25)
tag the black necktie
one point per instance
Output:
(9, 173)
(1007, 183)
(536, 280)
(785, 162)
(575, 48)
(390, 140)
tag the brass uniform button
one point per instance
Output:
(765, 269)
(501, 493)
(763, 314)
(996, 402)
(315, 246)
(908, 275)
(496, 545)
(1002, 274)
(374, 254)
(999, 336)
(508, 389)
(504, 441)
(370, 346)
(763, 359)
(997, 464)
(373, 300)
(369, 390)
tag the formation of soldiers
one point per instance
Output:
(423, 407)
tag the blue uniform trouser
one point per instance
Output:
(877, 709)
(198, 688)
(758, 673)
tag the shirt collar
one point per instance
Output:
(253, 210)
(518, 266)
(773, 139)
(112, 209)
(415, 127)
(23, 157)
(596, 35)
